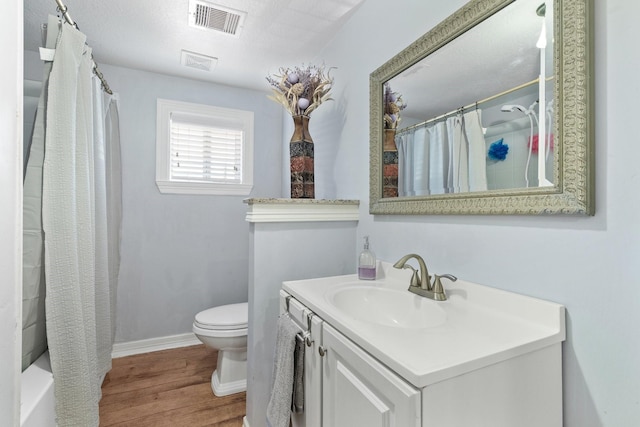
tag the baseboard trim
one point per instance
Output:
(245, 423)
(154, 344)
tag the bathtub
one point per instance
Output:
(37, 407)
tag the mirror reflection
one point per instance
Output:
(478, 113)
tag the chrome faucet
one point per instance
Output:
(421, 284)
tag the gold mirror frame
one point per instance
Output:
(573, 192)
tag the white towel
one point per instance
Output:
(279, 407)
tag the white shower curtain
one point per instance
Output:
(477, 150)
(438, 158)
(81, 211)
(459, 155)
(404, 143)
(468, 159)
(34, 341)
(422, 161)
(444, 157)
(413, 162)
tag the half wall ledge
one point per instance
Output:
(301, 210)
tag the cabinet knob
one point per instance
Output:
(322, 351)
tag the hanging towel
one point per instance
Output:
(279, 407)
(297, 404)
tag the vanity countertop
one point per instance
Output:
(431, 341)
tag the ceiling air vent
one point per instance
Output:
(198, 61)
(214, 17)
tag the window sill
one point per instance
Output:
(204, 188)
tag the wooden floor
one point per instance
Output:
(167, 388)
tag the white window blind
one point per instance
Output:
(203, 149)
(205, 153)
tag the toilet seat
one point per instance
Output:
(219, 333)
(232, 317)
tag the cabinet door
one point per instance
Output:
(357, 390)
(306, 320)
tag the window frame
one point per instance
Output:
(166, 185)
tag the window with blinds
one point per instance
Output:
(203, 149)
(205, 153)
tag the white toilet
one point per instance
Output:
(224, 329)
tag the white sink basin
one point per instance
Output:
(427, 341)
(386, 307)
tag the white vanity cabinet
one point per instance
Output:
(483, 358)
(345, 386)
(357, 390)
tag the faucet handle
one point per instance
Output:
(415, 280)
(438, 289)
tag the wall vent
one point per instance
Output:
(198, 61)
(214, 17)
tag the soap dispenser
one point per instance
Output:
(367, 262)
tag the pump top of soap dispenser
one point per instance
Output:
(367, 262)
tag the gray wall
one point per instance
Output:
(10, 211)
(590, 264)
(279, 252)
(180, 253)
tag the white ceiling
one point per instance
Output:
(150, 35)
(498, 54)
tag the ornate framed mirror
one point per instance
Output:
(490, 112)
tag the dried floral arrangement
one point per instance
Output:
(301, 89)
(393, 104)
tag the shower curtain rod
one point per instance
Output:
(475, 104)
(65, 13)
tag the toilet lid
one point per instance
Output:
(232, 316)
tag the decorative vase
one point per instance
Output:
(301, 157)
(390, 164)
